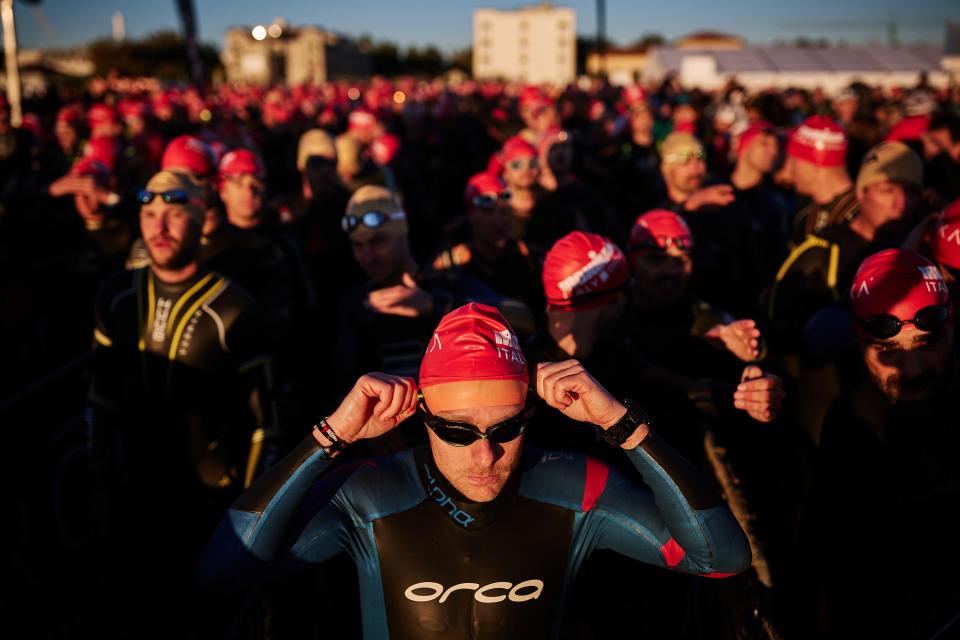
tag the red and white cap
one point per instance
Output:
(190, 154)
(361, 119)
(896, 282)
(659, 228)
(582, 271)
(945, 243)
(241, 162)
(819, 140)
(473, 359)
(384, 148)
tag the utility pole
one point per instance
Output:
(602, 36)
(13, 67)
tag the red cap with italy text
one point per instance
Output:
(473, 342)
(896, 282)
(582, 271)
(819, 140)
(945, 243)
(659, 228)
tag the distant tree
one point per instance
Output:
(649, 40)
(462, 59)
(385, 58)
(162, 54)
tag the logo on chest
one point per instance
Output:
(487, 594)
(459, 516)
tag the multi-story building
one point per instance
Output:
(536, 44)
(293, 55)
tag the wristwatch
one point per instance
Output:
(617, 434)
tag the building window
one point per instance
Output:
(485, 60)
(562, 25)
(562, 43)
(485, 25)
(485, 43)
(524, 25)
(523, 58)
(523, 43)
(561, 59)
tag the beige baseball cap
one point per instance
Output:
(893, 161)
(315, 142)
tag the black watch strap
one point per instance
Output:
(624, 428)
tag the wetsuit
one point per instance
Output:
(182, 420)
(432, 564)
(182, 379)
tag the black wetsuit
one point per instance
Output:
(182, 420)
(433, 564)
(182, 379)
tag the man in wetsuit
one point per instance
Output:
(181, 399)
(474, 535)
(507, 265)
(889, 490)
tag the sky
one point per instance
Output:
(447, 23)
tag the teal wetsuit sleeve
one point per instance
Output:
(254, 538)
(679, 522)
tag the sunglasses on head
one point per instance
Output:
(683, 157)
(490, 201)
(463, 434)
(370, 219)
(174, 196)
(883, 326)
(531, 163)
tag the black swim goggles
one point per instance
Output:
(490, 200)
(370, 219)
(463, 434)
(683, 243)
(883, 326)
(174, 196)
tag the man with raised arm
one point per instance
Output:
(475, 535)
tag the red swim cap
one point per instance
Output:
(361, 119)
(483, 184)
(385, 148)
(820, 140)
(103, 149)
(516, 148)
(190, 154)
(101, 114)
(583, 271)
(241, 162)
(897, 282)
(750, 133)
(945, 244)
(473, 343)
(88, 166)
(660, 228)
